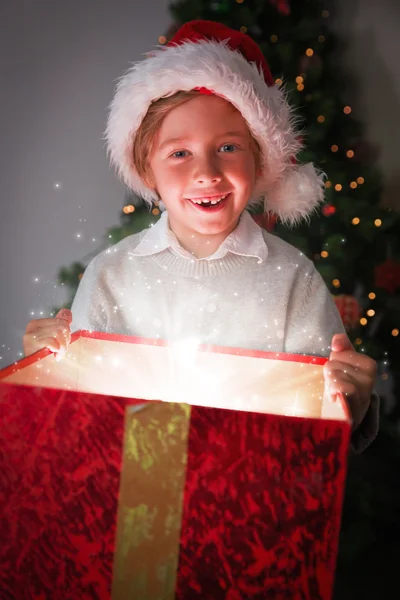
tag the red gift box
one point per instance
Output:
(135, 469)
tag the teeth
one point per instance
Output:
(206, 201)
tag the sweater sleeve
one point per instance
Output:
(313, 320)
(89, 309)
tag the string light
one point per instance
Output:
(377, 222)
(321, 39)
(358, 341)
(360, 180)
(372, 296)
(274, 38)
(338, 187)
(363, 321)
(243, 29)
(347, 110)
(350, 153)
(309, 51)
(324, 254)
(353, 185)
(155, 211)
(395, 332)
(162, 39)
(370, 312)
(278, 81)
(129, 208)
(299, 79)
(334, 148)
(336, 283)
(328, 184)
(300, 87)
(355, 221)
(320, 118)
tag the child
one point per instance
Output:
(199, 126)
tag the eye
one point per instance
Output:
(179, 154)
(228, 148)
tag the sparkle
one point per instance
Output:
(36, 279)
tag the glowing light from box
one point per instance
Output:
(189, 379)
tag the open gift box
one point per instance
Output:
(135, 469)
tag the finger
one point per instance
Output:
(340, 343)
(362, 362)
(60, 333)
(39, 324)
(357, 373)
(356, 402)
(342, 383)
(50, 322)
(64, 313)
(353, 362)
(51, 343)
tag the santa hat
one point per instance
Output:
(213, 58)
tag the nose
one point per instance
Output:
(207, 172)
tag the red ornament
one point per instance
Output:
(349, 310)
(328, 210)
(266, 220)
(387, 276)
(282, 6)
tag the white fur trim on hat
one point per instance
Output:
(289, 190)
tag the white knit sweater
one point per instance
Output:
(257, 292)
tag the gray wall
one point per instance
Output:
(58, 65)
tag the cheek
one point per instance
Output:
(246, 174)
(169, 180)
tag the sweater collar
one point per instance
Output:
(245, 240)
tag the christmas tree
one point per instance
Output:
(354, 243)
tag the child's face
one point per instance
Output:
(203, 150)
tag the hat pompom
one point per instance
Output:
(297, 194)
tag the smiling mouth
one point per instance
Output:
(209, 201)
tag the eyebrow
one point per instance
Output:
(179, 141)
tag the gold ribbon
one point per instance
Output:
(151, 500)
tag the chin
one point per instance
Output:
(216, 229)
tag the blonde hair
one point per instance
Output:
(146, 134)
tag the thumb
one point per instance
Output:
(340, 342)
(64, 313)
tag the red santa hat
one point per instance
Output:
(215, 59)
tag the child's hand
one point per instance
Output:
(351, 373)
(53, 334)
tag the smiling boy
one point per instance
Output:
(200, 127)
